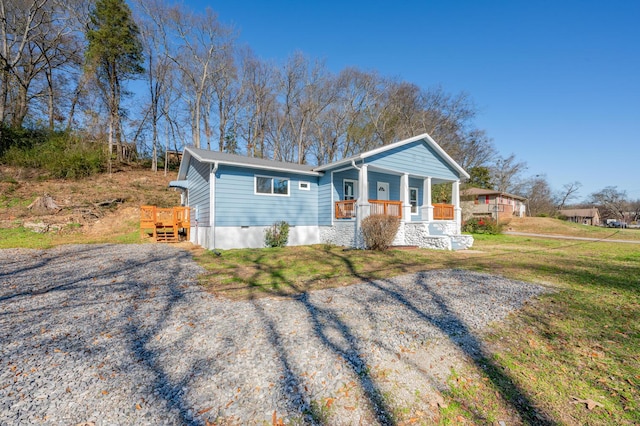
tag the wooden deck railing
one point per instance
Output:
(165, 223)
(387, 208)
(443, 212)
(346, 209)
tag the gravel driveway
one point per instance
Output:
(123, 335)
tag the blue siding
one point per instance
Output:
(415, 158)
(338, 179)
(198, 177)
(324, 200)
(237, 204)
(392, 180)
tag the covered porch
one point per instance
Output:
(407, 196)
(403, 195)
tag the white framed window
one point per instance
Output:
(269, 185)
(304, 185)
(349, 189)
(413, 200)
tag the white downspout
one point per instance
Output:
(213, 168)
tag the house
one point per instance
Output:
(584, 216)
(488, 202)
(233, 199)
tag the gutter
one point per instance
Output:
(213, 168)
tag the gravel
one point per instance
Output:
(122, 335)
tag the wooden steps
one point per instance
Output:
(167, 225)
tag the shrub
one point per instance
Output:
(379, 231)
(60, 154)
(277, 235)
(482, 225)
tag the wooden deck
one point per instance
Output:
(169, 225)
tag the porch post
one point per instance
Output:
(427, 207)
(404, 198)
(455, 200)
(363, 207)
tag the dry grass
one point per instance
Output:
(81, 218)
(549, 226)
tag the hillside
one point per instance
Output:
(95, 207)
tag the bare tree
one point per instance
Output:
(569, 192)
(506, 174)
(306, 93)
(159, 69)
(539, 196)
(200, 40)
(611, 202)
(19, 24)
(257, 101)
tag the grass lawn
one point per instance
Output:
(572, 358)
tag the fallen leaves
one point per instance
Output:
(590, 403)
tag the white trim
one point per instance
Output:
(271, 194)
(302, 184)
(213, 169)
(417, 212)
(355, 188)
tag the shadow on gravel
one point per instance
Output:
(140, 337)
(72, 287)
(322, 321)
(44, 258)
(453, 327)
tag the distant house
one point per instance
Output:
(233, 198)
(584, 216)
(490, 203)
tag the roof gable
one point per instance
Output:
(425, 138)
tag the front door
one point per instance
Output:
(383, 190)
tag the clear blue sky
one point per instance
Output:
(557, 82)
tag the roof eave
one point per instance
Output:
(253, 166)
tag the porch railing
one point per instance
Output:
(443, 212)
(387, 208)
(346, 209)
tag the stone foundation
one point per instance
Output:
(431, 235)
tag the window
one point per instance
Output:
(413, 200)
(272, 185)
(304, 186)
(349, 189)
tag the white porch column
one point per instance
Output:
(426, 208)
(362, 206)
(457, 210)
(404, 198)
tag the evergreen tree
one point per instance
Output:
(114, 55)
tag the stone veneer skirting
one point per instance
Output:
(433, 235)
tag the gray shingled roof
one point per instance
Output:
(206, 155)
